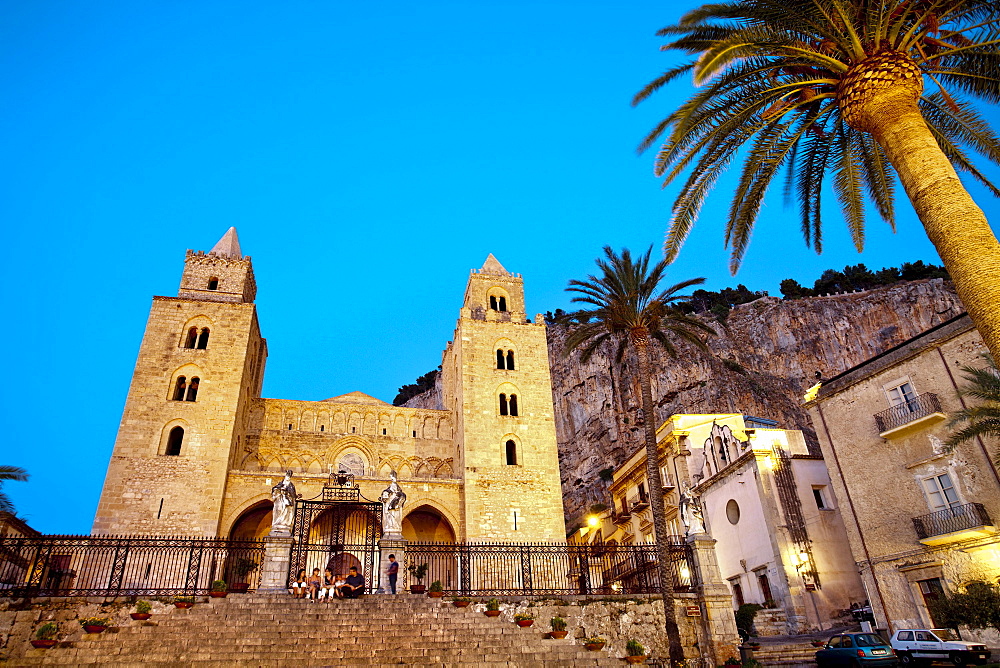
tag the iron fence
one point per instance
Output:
(112, 566)
(965, 516)
(505, 569)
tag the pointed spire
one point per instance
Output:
(493, 266)
(228, 246)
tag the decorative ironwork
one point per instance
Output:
(957, 518)
(507, 569)
(908, 411)
(350, 494)
(112, 566)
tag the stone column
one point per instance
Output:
(277, 556)
(391, 545)
(718, 621)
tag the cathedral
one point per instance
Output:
(198, 449)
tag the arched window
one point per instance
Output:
(502, 304)
(513, 404)
(180, 387)
(503, 404)
(174, 441)
(213, 283)
(511, 450)
(192, 338)
(500, 360)
(203, 339)
(493, 302)
(510, 360)
(192, 392)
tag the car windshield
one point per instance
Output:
(869, 640)
(945, 634)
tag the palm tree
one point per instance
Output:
(983, 418)
(815, 86)
(9, 473)
(629, 307)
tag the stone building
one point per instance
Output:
(199, 449)
(920, 519)
(767, 502)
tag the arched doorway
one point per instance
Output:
(253, 523)
(426, 524)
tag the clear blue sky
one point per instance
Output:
(369, 154)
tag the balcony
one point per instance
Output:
(621, 518)
(638, 503)
(954, 524)
(913, 414)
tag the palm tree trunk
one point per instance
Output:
(954, 223)
(641, 342)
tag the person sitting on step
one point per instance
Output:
(299, 586)
(327, 590)
(339, 582)
(354, 586)
(314, 582)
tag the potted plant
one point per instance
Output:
(183, 601)
(241, 568)
(524, 619)
(461, 602)
(45, 636)
(142, 610)
(492, 608)
(418, 572)
(436, 590)
(219, 589)
(594, 643)
(95, 624)
(558, 625)
(635, 652)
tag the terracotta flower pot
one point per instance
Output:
(435, 594)
(461, 604)
(418, 589)
(183, 604)
(524, 623)
(491, 613)
(239, 587)
(141, 616)
(594, 646)
(558, 635)
(44, 643)
(93, 628)
(635, 659)
(218, 594)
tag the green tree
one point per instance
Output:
(627, 306)
(982, 418)
(9, 473)
(816, 86)
(792, 289)
(978, 607)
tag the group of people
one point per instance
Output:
(329, 585)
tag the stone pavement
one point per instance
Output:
(375, 631)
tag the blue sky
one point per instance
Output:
(369, 155)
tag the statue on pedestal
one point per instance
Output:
(691, 513)
(282, 515)
(392, 499)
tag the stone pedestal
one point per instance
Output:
(391, 544)
(274, 572)
(718, 621)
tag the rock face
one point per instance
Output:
(761, 363)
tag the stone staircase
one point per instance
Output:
(252, 630)
(791, 653)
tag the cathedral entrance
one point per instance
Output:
(425, 524)
(337, 530)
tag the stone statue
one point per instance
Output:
(691, 513)
(283, 495)
(392, 499)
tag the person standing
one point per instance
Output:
(393, 572)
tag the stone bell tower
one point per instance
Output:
(495, 379)
(201, 362)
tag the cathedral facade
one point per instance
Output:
(198, 449)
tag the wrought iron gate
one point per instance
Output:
(336, 530)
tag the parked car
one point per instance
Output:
(925, 645)
(857, 649)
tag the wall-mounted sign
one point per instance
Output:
(694, 611)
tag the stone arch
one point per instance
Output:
(428, 521)
(351, 443)
(314, 467)
(430, 427)
(505, 450)
(399, 427)
(275, 464)
(252, 520)
(199, 323)
(323, 421)
(370, 424)
(498, 299)
(338, 423)
(354, 424)
(444, 470)
(307, 422)
(272, 417)
(384, 424)
(161, 447)
(444, 428)
(290, 417)
(507, 357)
(422, 469)
(186, 371)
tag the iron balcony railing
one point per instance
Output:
(531, 569)
(956, 518)
(908, 411)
